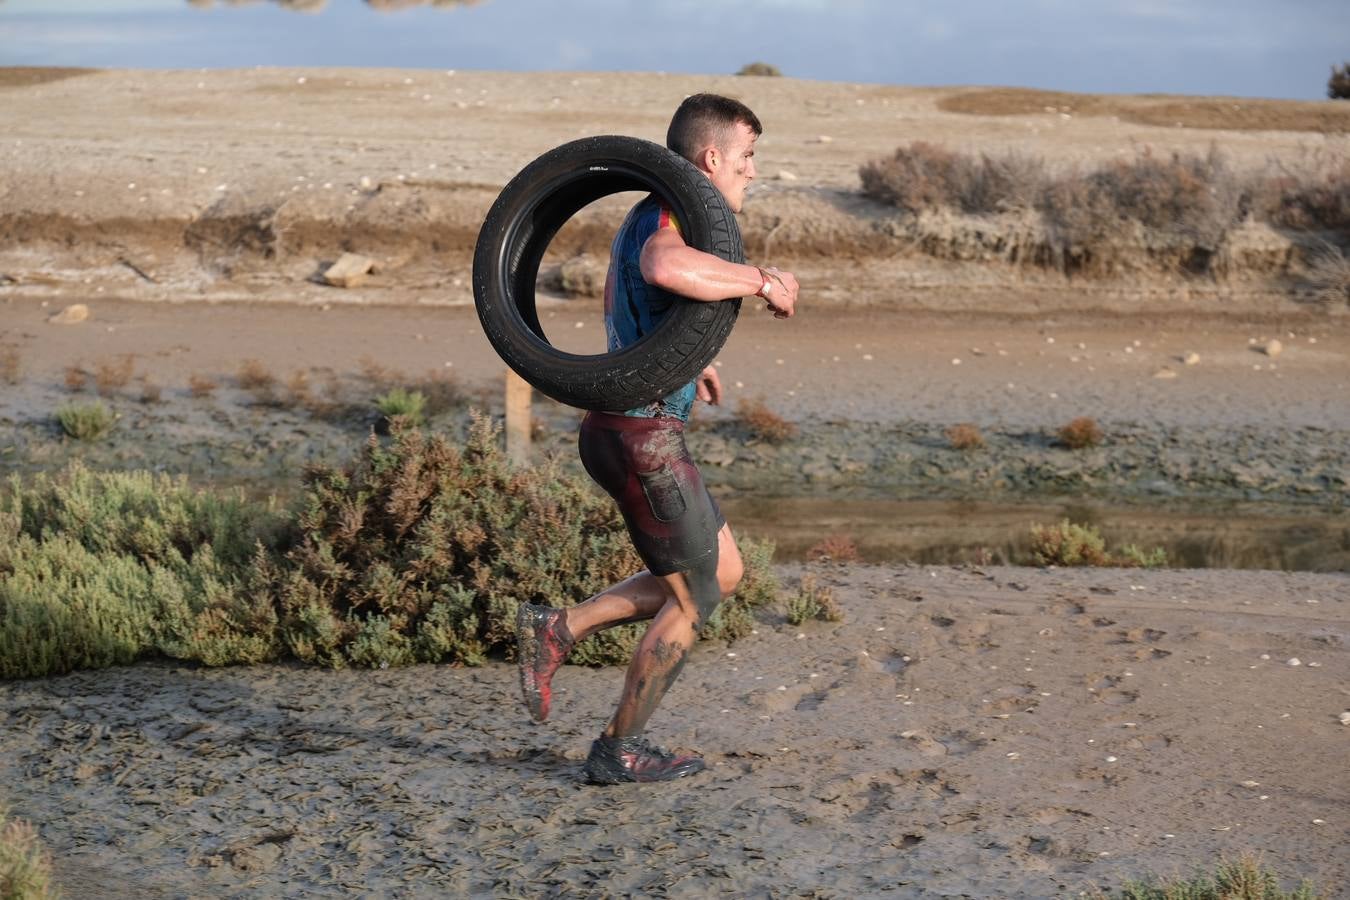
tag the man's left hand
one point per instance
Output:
(710, 386)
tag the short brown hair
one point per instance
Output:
(704, 119)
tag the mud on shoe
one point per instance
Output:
(542, 643)
(633, 759)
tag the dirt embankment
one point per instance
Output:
(244, 184)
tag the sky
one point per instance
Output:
(1251, 48)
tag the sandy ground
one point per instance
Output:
(964, 733)
(985, 733)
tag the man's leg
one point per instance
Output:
(546, 635)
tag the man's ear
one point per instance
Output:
(711, 159)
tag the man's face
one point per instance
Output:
(732, 167)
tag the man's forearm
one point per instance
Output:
(697, 275)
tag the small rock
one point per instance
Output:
(1164, 372)
(1191, 359)
(584, 276)
(1293, 661)
(824, 139)
(1272, 348)
(71, 315)
(351, 270)
(785, 175)
(1345, 718)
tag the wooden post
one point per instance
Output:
(517, 418)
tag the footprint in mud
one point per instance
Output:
(1149, 742)
(1092, 778)
(1139, 635)
(1014, 698)
(957, 744)
(1103, 689)
(1052, 814)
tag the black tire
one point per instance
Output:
(517, 231)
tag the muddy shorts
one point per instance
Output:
(644, 465)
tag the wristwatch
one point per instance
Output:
(766, 288)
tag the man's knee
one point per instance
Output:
(730, 570)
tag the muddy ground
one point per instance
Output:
(964, 732)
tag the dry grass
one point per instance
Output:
(111, 377)
(1224, 113)
(1080, 433)
(965, 436)
(834, 548)
(9, 365)
(201, 385)
(299, 390)
(150, 392)
(1307, 195)
(763, 423)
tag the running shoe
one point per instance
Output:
(542, 643)
(621, 760)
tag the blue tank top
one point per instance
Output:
(632, 307)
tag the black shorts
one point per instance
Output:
(644, 465)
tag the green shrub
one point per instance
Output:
(811, 601)
(1133, 557)
(102, 569)
(418, 551)
(402, 402)
(1244, 879)
(85, 421)
(1067, 544)
(25, 869)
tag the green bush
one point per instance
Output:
(812, 601)
(1069, 544)
(1243, 879)
(418, 551)
(85, 421)
(101, 569)
(25, 869)
(402, 402)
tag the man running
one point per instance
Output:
(639, 457)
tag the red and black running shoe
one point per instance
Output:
(620, 760)
(542, 643)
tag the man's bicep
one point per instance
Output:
(657, 252)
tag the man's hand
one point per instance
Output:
(709, 386)
(782, 299)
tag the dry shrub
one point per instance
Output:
(763, 423)
(836, 548)
(380, 376)
(1338, 85)
(150, 392)
(1329, 274)
(9, 365)
(927, 176)
(1309, 195)
(298, 389)
(812, 601)
(253, 375)
(201, 385)
(1194, 199)
(964, 436)
(441, 391)
(110, 377)
(75, 378)
(1081, 433)
(1067, 544)
(762, 69)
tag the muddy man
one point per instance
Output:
(639, 457)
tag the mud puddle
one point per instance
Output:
(944, 532)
